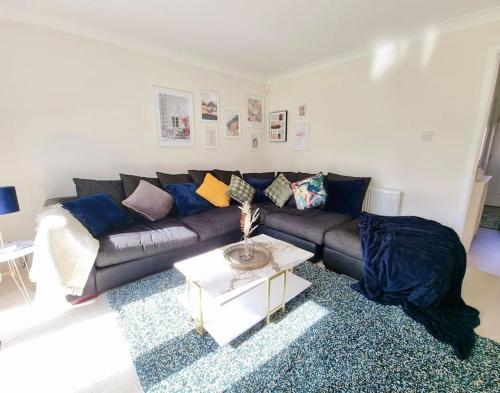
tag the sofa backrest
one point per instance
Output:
(55, 201)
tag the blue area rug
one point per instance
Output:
(331, 339)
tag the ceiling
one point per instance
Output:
(257, 38)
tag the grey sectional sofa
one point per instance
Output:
(150, 247)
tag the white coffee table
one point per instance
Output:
(11, 254)
(228, 302)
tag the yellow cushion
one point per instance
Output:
(214, 191)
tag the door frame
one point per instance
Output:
(480, 131)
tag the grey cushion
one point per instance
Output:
(144, 239)
(130, 182)
(296, 176)
(198, 176)
(225, 176)
(308, 224)
(291, 176)
(345, 238)
(114, 188)
(260, 175)
(149, 201)
(214, 222)
(166, 178)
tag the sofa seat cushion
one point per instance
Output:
(142, 240)
(214, 222)
(266, 208)
(345, 238)
(306, 224)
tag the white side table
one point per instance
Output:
(14, 252)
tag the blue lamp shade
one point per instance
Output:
(8, 200)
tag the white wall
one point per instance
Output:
(74, 107)
(367, 117)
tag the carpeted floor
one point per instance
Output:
(491, 217)
(330, 339)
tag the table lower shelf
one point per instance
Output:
(226, 322)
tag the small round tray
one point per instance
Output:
(234, 255)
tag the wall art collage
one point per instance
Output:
(175, 120)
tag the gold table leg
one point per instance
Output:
(18, 279)
(281, 306)
(199, 326)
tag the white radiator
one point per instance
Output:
(382, 201)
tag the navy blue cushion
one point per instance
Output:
(260, 185)
(345, 196)
(99, 214)
(187, 201)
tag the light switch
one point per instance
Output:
(427, 135)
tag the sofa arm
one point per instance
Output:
(55, 201)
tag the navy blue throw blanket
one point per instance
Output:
(418, 264)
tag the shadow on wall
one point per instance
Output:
(387, 54)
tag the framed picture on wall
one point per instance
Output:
(211, 137)
(174, 117)
(254, 107)
(302, 112)
(232, 124)
(278, 126)
(209, 106)
(301, 135)
(255, 141)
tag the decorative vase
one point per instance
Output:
(247, 224)
(247, 253)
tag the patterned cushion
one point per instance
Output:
(309, 193)
(240, 190)
(279, 191)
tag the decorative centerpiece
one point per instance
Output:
(247, 255)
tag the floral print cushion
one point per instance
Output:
(310, 192)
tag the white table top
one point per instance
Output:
(216, 277)
(16, 250)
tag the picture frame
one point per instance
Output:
(302, 111)
(211, 140)
(209, 106)
(255, 111)
(301, 135)
(278, 126)
(255, 141)
(232, 124)
(174, 117)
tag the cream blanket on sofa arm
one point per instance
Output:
(64, 253)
